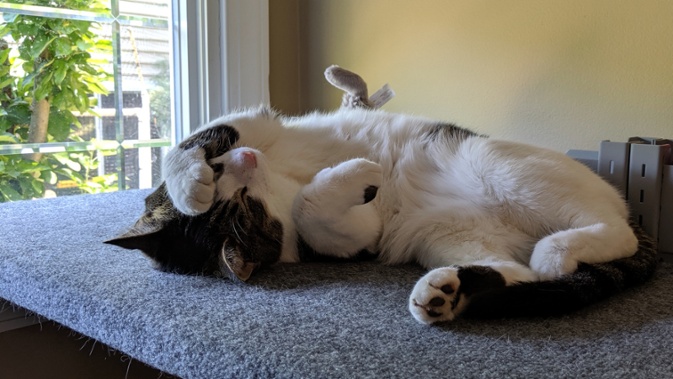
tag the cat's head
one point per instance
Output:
(236, 236)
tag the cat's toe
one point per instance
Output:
(201, 199)
(436, 296)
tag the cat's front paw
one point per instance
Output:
(436, 296)
(190, 181)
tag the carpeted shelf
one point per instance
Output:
(346, 320)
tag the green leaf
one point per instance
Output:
(62, 46)
(47, 77)
(4, 54)
(84, 98)
(19, 113)
(28, 29)
(94, 185)
(61, 71)
(85, 43)
(9, 194)
(26, 185)
(104, 45)
(8, 138)
(93, 113)
(58, 101)
(89, 70)
(11, 171)
(49, 177)
(70, 164)
(83, 26)
(95, 87)
(59, 126)
(42, 90)
(44, 66)
(4, 124)
(27, 66)
(38, 186)
(24, 53)
(6, 82)
(41, 42)
(28, 79)
(4, 70)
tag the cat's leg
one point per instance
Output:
(334, 213)
(443, 293)
(559, 253)
(190, 180)
(189, 175)
(467, 262)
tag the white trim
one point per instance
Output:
(221, 59)
(246, 45)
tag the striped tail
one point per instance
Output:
(591, 283)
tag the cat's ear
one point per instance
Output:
(238, 266)
(146, 240)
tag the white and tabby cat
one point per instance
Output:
(254, 188)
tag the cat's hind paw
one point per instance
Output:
(354, 182)
(437, 297)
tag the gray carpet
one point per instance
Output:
(304, 320)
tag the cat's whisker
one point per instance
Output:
(238, 236)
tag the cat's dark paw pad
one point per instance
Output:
(365, 175)
(436, 296)
(370, 193)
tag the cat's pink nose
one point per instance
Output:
(249, 159)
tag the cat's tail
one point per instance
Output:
(589, 284)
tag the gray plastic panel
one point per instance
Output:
(666, 219)
(613, 164)
(587, 157)
(644, 185)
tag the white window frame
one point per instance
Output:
(220, 61)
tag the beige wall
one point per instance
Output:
(284, 55)
(562, 74)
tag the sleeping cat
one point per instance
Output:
(504, 228)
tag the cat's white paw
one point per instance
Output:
(436, 296)
(354, 182)
(552, 258)
(331, 213)
(190, 183)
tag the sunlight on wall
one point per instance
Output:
(558, 74)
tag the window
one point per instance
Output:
(130, 97)
(98, 72)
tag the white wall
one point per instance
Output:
(561, 74)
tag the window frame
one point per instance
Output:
(221, 60)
